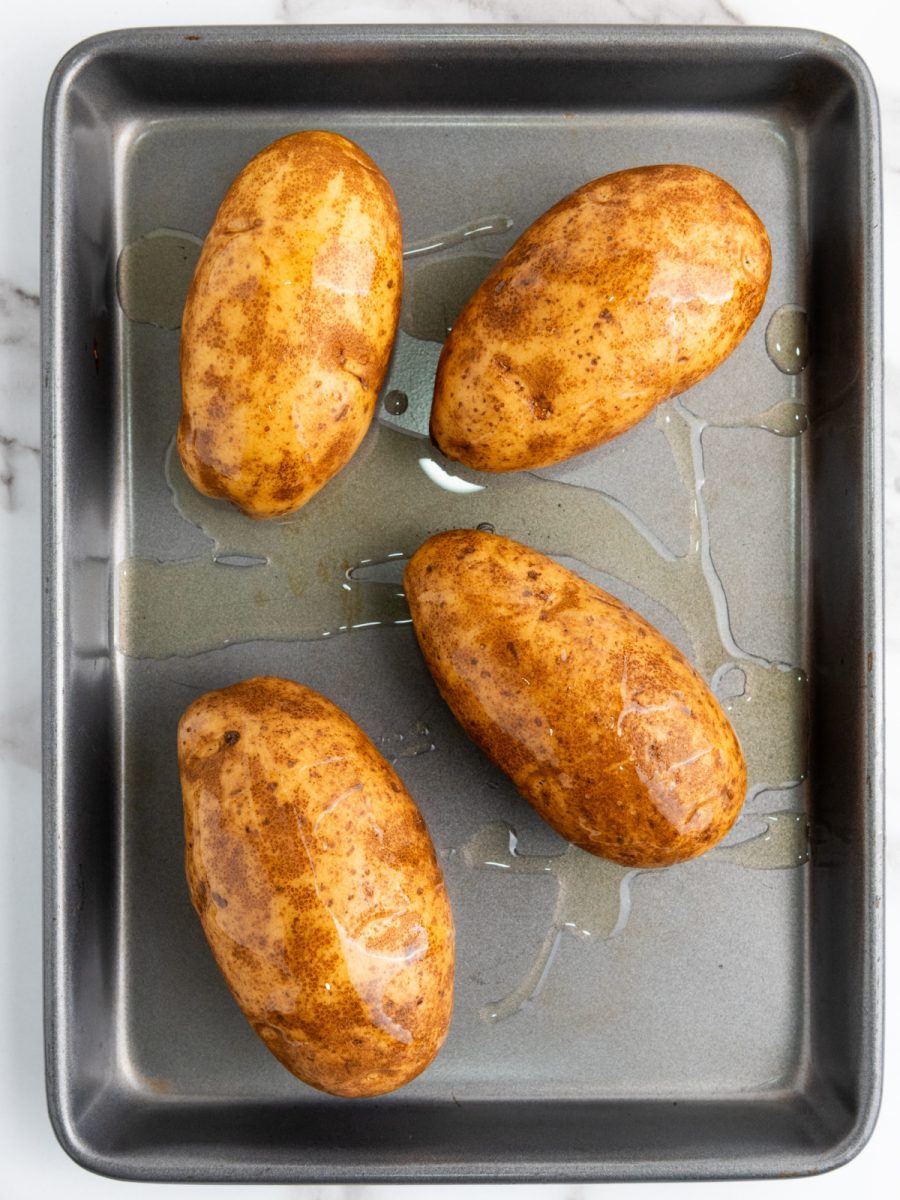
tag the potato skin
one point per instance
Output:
(289, 323)
(601, 723)
(622, 295)
(317, 886)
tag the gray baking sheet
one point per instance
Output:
(691, 990)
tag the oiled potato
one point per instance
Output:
(289, 324)
(602, 724)
(317, 886)
(624, 294)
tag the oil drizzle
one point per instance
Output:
(408, 743)
(484, 227)
(787, 339)
(593, 898)
(307, 590)
(782, 844)
(789, 419)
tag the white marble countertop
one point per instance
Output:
(34, 38)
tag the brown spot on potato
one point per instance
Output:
(541, 407)
(246, 288)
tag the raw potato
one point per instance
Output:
(622, 295)
(289, 324)
(602, 724)
(317, 886)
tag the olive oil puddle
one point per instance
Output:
(321, 575)
(153, 275)
(593, 898)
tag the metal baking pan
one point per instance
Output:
(715, 1020)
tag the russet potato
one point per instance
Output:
(624, 294)
(600, 722)
(317, 886)
(289, 323)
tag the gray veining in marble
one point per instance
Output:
(614, 12)
(19, 523)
